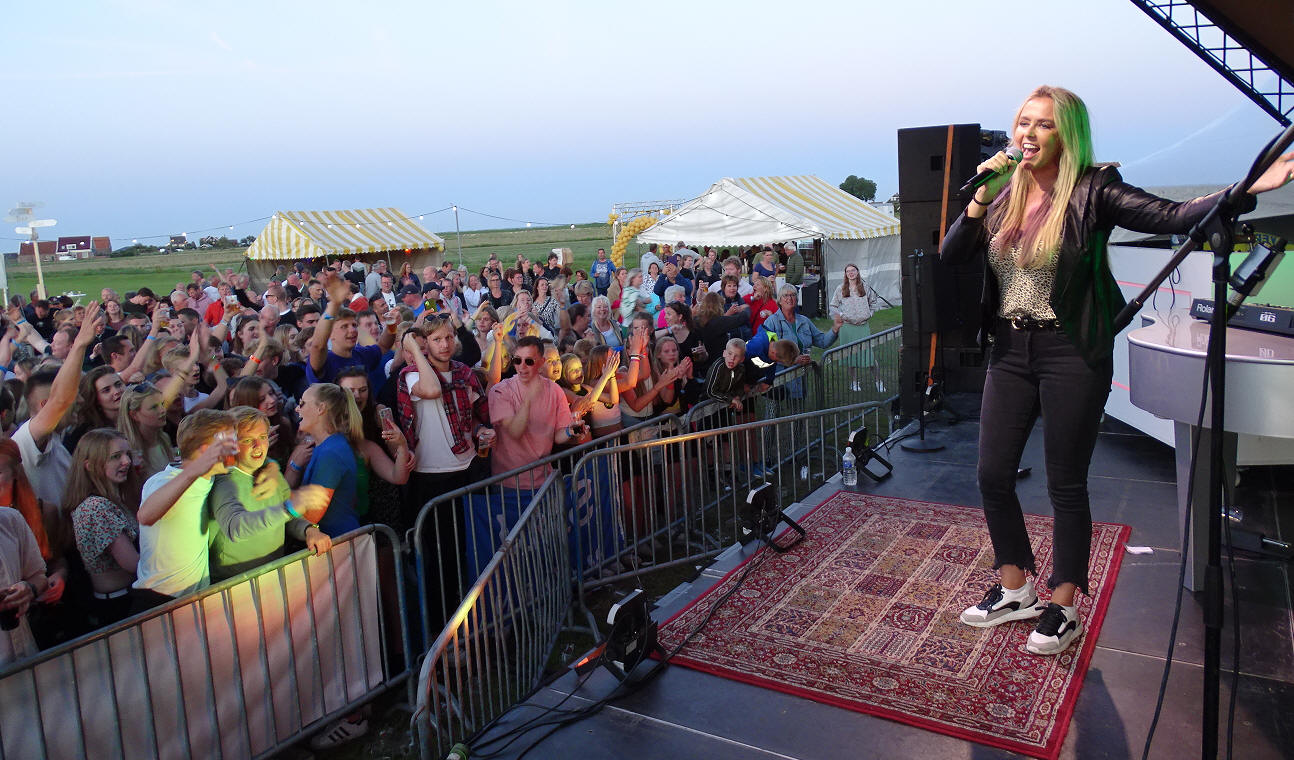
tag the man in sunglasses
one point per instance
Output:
(530, 414)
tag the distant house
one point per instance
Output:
(178, 241)
(47, 249)
(76, 246)
(101, 245)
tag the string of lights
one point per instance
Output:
(135, 239)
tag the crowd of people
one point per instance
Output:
(154, 445)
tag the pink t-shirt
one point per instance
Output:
(548, 414)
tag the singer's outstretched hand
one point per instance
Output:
(1277, 175)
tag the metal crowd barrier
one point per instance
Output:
(240, 669)
(457, 533)
(847, 371)
(676, 500)
(493, 651)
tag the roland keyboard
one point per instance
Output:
(1269, 319)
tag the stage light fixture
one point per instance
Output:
(870, 463)
(631, 639)
(759, 515)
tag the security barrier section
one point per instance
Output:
(865, 369)
(678, 500)
(492, 653)
(456, 534)
(238, 670)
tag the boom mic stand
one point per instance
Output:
(921, 445)
(1218, 228)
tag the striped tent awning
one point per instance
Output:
(753, 210)
(314, 234)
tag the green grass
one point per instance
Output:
(162, 271)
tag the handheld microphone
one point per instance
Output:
(1013, 153)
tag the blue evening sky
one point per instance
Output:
(149, 117)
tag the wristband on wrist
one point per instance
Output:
(256, 360)
(328, 316)
(288, 506)
(980, 202)
(294, 466)
(151, 337)
(22, 321)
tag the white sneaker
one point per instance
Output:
(804, 472)
(1057, 629)
(339, 733)
(880, 387)
(1001, 605)
(855, 386)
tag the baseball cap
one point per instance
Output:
(410, 290)
(430, 286)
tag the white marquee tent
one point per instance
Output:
(757, 210)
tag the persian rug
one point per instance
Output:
(863, 614)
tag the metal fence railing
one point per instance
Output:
(457, 533)
(864, 369)
(676, 500)
(241, 669)
(493, 651)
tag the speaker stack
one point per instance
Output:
(939, 345)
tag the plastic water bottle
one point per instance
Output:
(849, 467)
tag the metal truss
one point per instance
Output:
(1228, 56)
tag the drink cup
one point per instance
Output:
(484, 440)
(228, 436)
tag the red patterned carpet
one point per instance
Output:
(863, 615)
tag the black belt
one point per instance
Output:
(1029, 323)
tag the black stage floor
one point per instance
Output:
(687, 714)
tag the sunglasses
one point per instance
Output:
(529, 361)
(144, 387)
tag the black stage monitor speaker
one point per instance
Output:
(939, 343)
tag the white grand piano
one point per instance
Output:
(1166, 371)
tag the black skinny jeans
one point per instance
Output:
(1034, 372)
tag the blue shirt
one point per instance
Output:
(602, 272)
(368, 357)
(332, 465)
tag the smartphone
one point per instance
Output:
(384, 415)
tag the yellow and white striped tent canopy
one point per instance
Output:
(755, 210)
(353, 232)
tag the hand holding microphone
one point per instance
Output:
(999, 166)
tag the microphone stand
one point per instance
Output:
(1218, 228)
(921, 446)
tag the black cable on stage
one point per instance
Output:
(1181, 569)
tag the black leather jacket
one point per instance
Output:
(1086, 297)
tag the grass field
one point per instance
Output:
(162, 271)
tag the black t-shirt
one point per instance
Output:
(292, 379)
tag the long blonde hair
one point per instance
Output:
(342, 414)
(1038, 236)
